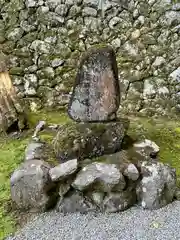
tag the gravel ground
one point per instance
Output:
(133, 224)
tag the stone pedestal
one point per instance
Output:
(87, 140)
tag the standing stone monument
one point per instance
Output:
(96, 93)
(95, 173)
(95, 129)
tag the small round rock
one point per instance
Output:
(131, 172)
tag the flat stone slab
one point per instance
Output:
(63, 170)
(35, 150)
(88, 140)
(40, 150)
(96, 93)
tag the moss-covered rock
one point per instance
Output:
(39, 150)
(22, 52)
(14, 34)
(15, 5)
(87, 140)
(28, 38)
(4, 62)
(7, 47)
(16, 71)
(2, 39)
(26, 62)
(47, 72)
(165, 133)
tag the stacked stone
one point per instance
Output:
(93, 105)
(110, 183)
(96, 173)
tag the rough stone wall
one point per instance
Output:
(45, 39)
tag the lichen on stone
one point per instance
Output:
(83, 140)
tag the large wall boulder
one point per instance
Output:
(100, 177)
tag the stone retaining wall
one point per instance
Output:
(45, 40)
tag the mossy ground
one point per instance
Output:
(55, 117)
(164, 132)
(11, 155)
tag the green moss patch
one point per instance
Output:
(47, 136)
(51, 117)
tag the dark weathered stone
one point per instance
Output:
(123, 160)
(97, 197)
(96, 93)
(75, 202)
(30, 184)
(87, 140)
(177, 194)
(115, 202)
(64, 187)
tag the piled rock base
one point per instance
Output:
(107, 183)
